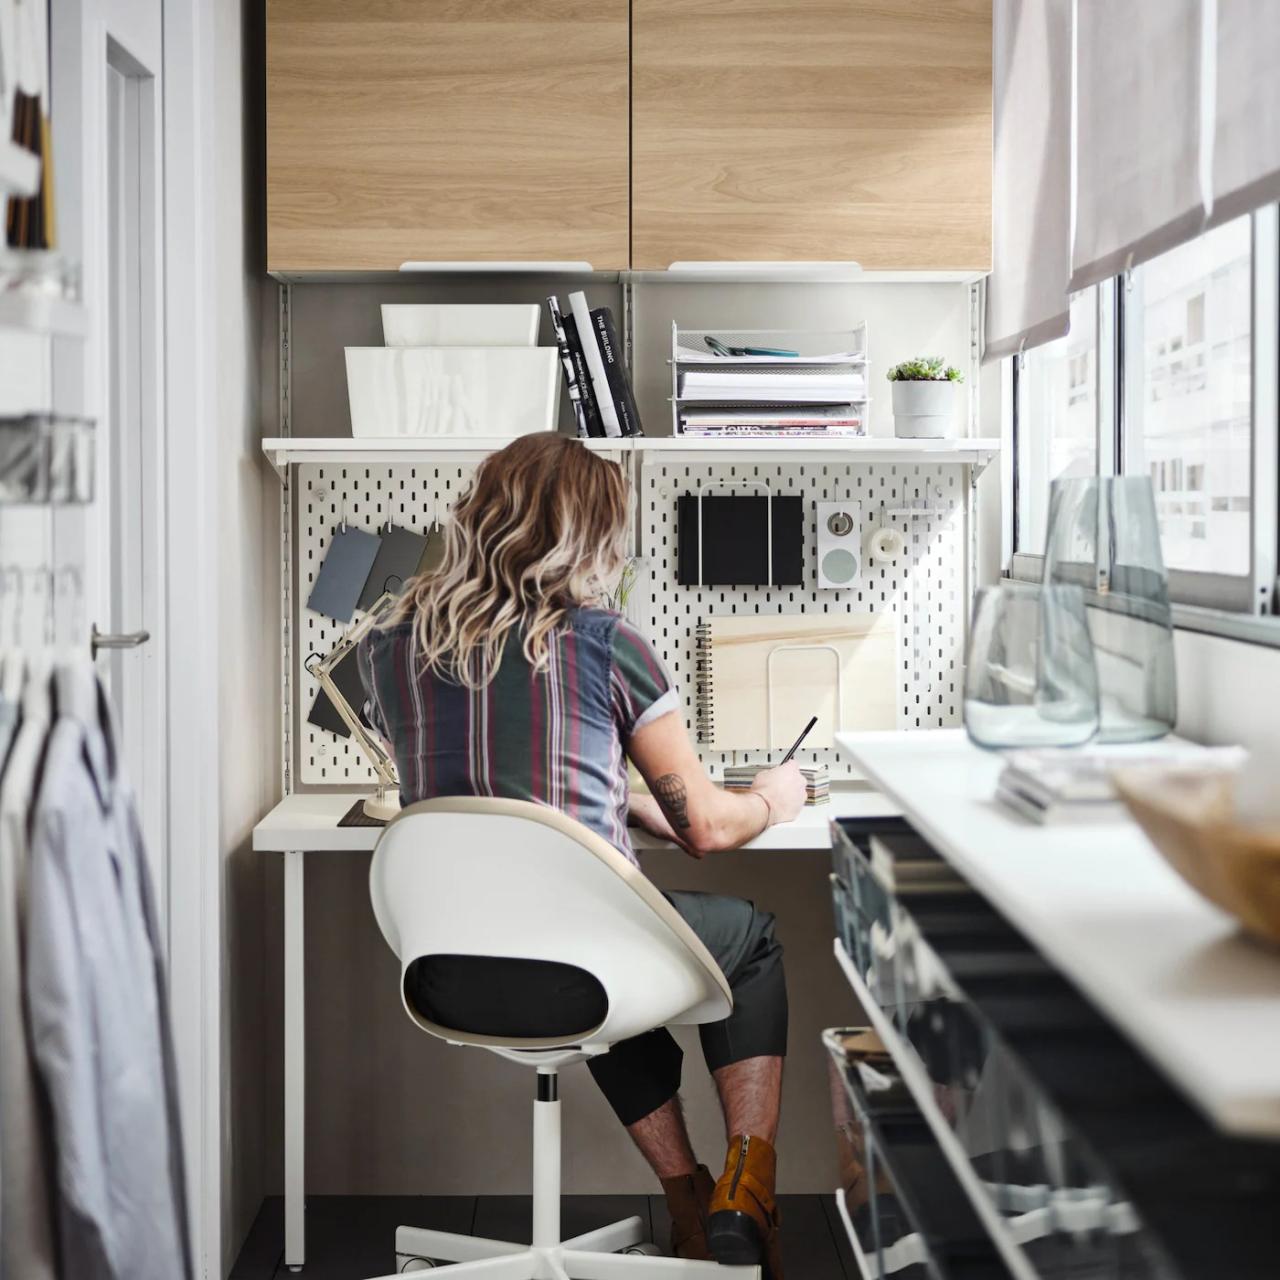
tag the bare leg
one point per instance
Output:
(664, 1141)
(751, 1097)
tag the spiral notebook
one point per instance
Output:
(761, 678)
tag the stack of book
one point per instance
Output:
(816, 780)
(594, 373)
(795, 423)
(904, 863)
(1066, 785)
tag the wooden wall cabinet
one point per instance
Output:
(446, 130)
(515, 130)
(812, 130)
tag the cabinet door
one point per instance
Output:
(446, 130)
(812, 130)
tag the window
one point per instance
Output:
(1191, 341)
(1188, 362)
(1057, 418)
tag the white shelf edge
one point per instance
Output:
(50, 317)
(922, 1092)
(19, 171)
(975, 451)
(285, 451)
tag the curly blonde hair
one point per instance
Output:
(541, 530)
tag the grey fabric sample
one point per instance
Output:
(343, 575)
(396, 562)
(99, 1023)
(26, 1220)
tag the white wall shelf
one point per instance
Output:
(974, 451)
(1172, 972)
(34, 313)
(284, 451)
(19, 170)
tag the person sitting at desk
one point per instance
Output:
(503, 674)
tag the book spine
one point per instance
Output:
(567, 367)
(705, 711)
(595, 427)
(595, 364)
(624, 402)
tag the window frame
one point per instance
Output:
(1242, 606)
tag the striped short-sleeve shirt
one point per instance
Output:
(556, 737)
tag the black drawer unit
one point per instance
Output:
(905, 1213)
(942, 976)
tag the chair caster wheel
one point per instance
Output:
(644, 1249)
(405, 1263)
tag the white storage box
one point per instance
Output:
(435, 324)
(452, 391)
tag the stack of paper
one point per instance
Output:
(739, 777)
(774, 388)
(1075, 786)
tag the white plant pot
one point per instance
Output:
(924, 410)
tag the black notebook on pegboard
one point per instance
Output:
(735, 538)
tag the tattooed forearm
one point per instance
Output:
(674, 799)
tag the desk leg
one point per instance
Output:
(295, 1071)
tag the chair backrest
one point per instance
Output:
(465, 876)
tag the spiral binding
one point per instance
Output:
(705, 701)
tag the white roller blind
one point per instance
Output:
(1138, 111)
(1031, 65)
(1246, 155)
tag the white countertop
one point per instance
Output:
(309, 821)
(1171, 971)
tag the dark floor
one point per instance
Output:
(353, 1237)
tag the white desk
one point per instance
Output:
(308, 823)
(1170, 970)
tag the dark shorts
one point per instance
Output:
(638, 1076)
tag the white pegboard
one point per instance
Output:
(367, 497)
(925, 589)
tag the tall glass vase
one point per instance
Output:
(1103, 537)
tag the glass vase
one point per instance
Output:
(1103, 537)
(1030, 677)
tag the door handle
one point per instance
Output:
(125, 640)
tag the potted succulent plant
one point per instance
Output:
(924, 397)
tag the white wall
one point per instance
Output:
(1228, 691)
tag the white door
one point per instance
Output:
(131, 612)
(107, 96)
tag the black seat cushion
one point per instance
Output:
(506, 997)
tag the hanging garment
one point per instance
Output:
(96, 1000)
(26, 1231)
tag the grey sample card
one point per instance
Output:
(343, 575)
(397, 561)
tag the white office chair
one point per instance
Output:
(465, 884)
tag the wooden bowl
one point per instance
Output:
(1189, 817)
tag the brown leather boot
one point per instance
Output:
(688, 1199)
(742, 1229)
